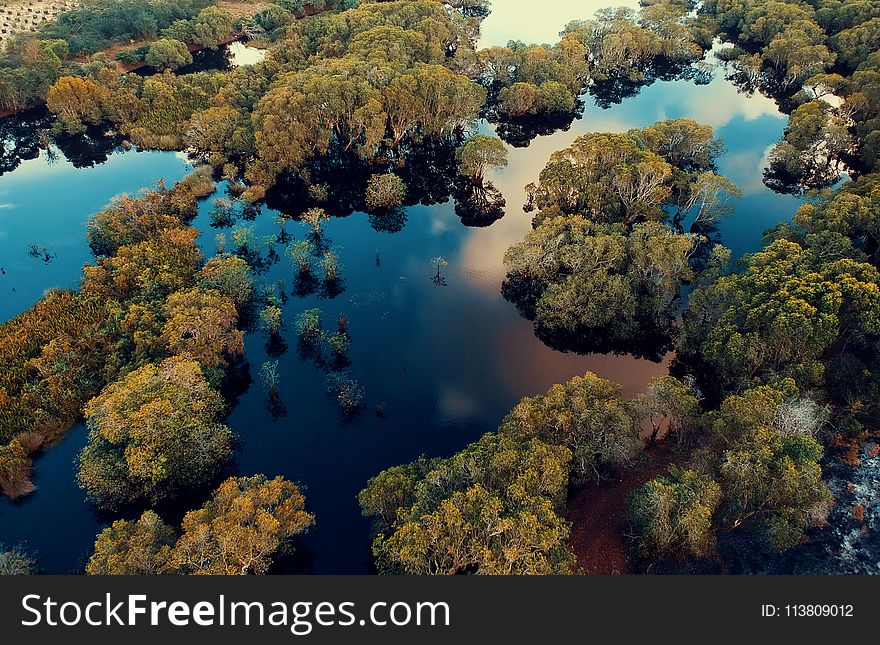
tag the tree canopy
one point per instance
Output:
(153, 435)
(247, 523)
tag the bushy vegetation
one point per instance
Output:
(604, 266)
(148, 298)
(154, 434)
(820, 58)
(96, 24)
(493, 508)
(247, 523)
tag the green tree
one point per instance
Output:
(153, 435)
(168, 53)
(229, 275)
(780, 316)
(672, 514)
(496, 512)
(589, 286)
(588, 416)
(671, 407)
(384, 192)
(271, 319)
(479, 153)
(769, 468)
(211, 27)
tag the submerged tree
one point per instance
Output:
(15, 561)
(271, 319)
(478, 154)
(385, 192)
(348, 393)
(591, 288)
(270, 378)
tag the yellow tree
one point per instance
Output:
(153, 435)
(77, 102)
(202, 323)
(238, 531)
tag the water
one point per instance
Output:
(47, 200)
(223, 58)
(444, 362)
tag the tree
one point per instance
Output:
(15, 470)
(127, 548)
(853, 211)
(229, 275)
(800, 52)
(384, 192)
(271, 319)
(430, 102)
(672, 514)
(479, 153)
(708, 197)
(588, 416)
(129, 220)
(77, 102)
(314, 217)
(628, 177)
(153, 435)
(211, 27)
(816, 139)
(684, 143)
(591, 287)
(856, 44)
(490, 509)
(390, 492)
(769, 467)
(202, 324)
(15, 562)
(518, 100)
(671, 407)
(168, 53)
(780, 316)
(213, 132)
(247, 522)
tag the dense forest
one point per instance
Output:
(371, 106)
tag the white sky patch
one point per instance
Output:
(439, 225)
(241, 55)
(520, 20)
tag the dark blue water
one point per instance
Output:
(444, 362)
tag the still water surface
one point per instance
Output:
(444, 362)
